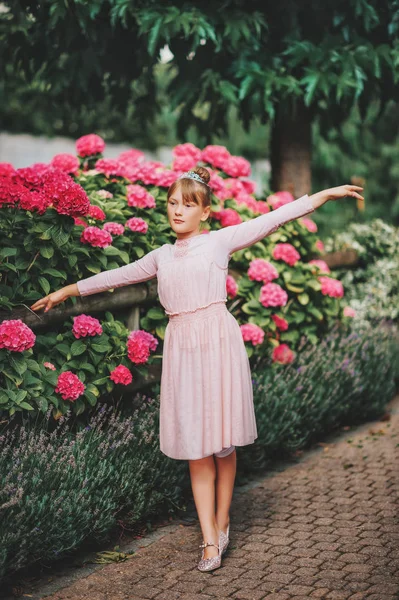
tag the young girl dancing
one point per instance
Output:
(206, 396)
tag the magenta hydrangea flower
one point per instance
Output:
(95, 212)
(139, 345)
(34, 202)
(281, 323)
(229, 216)
(188, 149)
(184, 163)
(321, 264)
(287, 253)
(69, 386)
(86, 326)
(137, 224)
(331, 287)
(283, 354)
(272, 294)
(88, 145)
(114, 228)
(261, 270)
(66, 162)
(231, 286)
(7, 169)
(80, 222)
(217, 156)
(96, 237)
(309, 224)
(109, 166)
(121, 374)
(237, 166)
(138, 196)
(16, 336)
(252, 333)
(279, 199)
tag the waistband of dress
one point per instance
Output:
(213, 307)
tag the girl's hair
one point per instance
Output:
(192, 190)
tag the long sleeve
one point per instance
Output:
(236, 237)
(140, 270)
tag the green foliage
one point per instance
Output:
(332, 56)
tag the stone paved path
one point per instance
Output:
(324, 527)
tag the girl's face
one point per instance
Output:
(188, 213)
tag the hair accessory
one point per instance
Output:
(193, 175)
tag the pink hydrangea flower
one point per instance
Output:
(139, 197)
(248, 185)
(109, 166)
(114, 228)
(321, 264)
(231, 286)
(184, 163)
(252, 333)
(218, 185)
(6, 169)
(309, 224)
(69, 386)
(66, 162)
(279, 199)
(272, 294)
(287, 253)
(215, 155)
(88, 145)
(96, 237)
(95, 212)
(165, 178)
(234, 186)
(122, 375)
(49, 365)
(86, 326)
(16, 336)
(319, 245)
(188, 149)
(229, 216)
(331, 287)
(261, 270)
(262, 207)
(137, 224)
(283, 354)
(139, 345)
(131, 156)
(349, 312)
(281, 323)
(34, 202)
(237, 166)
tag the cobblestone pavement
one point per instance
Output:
(324, 527)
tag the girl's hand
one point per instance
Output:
(344, 190)
(51, 300)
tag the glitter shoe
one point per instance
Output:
(208, 564)
(224, 539)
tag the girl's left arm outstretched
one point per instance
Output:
(236, 237)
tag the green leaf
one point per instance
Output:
(78, 348)
(4, 252)
(44, 284)
(303, 299)
(46, 251)
(26, 405)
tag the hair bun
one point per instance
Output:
(203, 173)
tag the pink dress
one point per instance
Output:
(206, 396)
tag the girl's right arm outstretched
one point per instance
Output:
(140, 270)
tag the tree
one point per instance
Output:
(283, 62)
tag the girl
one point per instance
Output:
(206, 401)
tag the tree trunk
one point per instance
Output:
(291, 149)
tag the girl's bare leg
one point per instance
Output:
(203, 476)
(225, 476)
